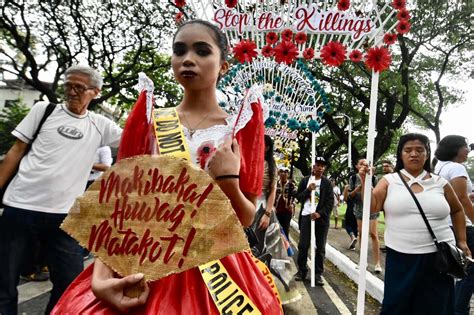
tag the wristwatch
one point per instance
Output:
(268, 213)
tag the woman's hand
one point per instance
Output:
(264, 222)
(363, 171)
(226, 159)
(465, 249)
(111, 289)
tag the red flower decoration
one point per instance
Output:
(180, 3)
(286, 52)
(287, 35)
(178, 17)
(399, 4)
(333, 54)
(267, 51)
(204, 152)
(231, 3)
(389, 38)
(403, 27)
(356, 55)
(308, 53)
(245, 51)
(378, 59)
(403, 15)
(343, 5)
(300, 38)
(271, 38)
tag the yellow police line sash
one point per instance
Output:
(227, 296)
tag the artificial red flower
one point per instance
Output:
(389, 38)
(180, 3)
(245, 51)
(286, 52)
(271, 38)
(308, 53)
(403, 15)
(231, 3)
(178, 17)
(378, 59)
(287, 35)
(267, 51)
(300, 38)
(343, 5)
(333, 54)
(204, 152)
(399, 4)
(403, 27)
(355, 56)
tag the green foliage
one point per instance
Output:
(441, 53)
(10, 117)
(157, 67)
(416, 89)
(49, 36)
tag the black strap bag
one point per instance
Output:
(449, 259)
(49, 109)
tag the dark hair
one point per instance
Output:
(412, 137)
(217, 34)
(269, 158)
(449, 146)
(387, 162)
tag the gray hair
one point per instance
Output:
(94, 75)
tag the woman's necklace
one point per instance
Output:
(192, 130)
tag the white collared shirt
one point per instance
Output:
(307, 208)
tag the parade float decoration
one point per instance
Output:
(268, 36)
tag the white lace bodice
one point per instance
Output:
(204, 142)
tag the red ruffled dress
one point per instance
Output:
(186, 292)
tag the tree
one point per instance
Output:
(166, 88)
(413, 89)
(10, 117)
(439, 50)
(49, 36)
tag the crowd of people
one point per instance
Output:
(50, 163)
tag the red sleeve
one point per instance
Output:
(137, 134)
(252, 151)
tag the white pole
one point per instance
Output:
(313, 208)
(349, 142)
(349, 147)
(367, 195)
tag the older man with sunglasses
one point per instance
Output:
(41, 176)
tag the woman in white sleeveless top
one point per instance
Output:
(412, 285)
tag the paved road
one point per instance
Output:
(337, 296)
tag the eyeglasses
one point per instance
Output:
(79, 89)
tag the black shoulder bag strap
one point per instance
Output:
(49, 109)
(421, 210)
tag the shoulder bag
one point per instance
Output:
(49, 109)
(449, 259)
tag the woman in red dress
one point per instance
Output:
(198, 60)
